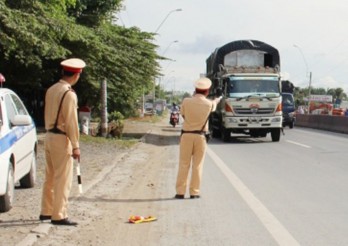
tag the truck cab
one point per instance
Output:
(288, 108)
(288, 104)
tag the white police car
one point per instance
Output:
(18, 143)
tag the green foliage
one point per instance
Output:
(37, 35)
(93, 13)
(115, 116)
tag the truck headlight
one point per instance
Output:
(277, 119)
(232, 120)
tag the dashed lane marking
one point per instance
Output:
(299, 144)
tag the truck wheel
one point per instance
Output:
(275, 134)
(225, 134)
(216, 133)
(291, 125)
(6, 200)
(28, 181)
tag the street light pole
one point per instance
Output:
(156, 31)
(166, 49)
(174, 10)
(165, 79)
(310, 74)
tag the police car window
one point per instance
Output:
(19, 105)
(10, 108)
(1, 122)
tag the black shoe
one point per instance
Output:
(45, 217)
(195, 196)
(177, 196)
(63, 222)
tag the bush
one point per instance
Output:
(115, 116)
(116, 124)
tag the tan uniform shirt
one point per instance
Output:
(195, 111)
(67, 118)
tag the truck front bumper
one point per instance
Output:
(250, 122)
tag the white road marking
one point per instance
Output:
(299, 144)
(275, 228)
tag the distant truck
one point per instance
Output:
(247, 74)
(288, 104)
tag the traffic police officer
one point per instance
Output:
(195, 112)
(61, 143)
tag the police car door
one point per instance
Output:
(22, 136)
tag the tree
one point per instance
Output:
(37, 35)
(92, 13)
(301, 93)
(337, 93)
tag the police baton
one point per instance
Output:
(78, 173)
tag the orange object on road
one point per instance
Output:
(136, 219)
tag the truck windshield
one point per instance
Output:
(288, 100)
(250, 87)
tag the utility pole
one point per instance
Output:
(310, 75)
(143, 105)
(309, 90)
(104, 111)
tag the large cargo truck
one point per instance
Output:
(247, 74)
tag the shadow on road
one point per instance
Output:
(14, 223)
(134, 200)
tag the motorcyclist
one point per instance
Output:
(175, 107)
(174, 110)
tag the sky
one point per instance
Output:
(310, 35)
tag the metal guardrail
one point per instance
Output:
(323, 122)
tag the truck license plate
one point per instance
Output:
(254, 119)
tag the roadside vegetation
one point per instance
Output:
(118, 143)
(37, 35)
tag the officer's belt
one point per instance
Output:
(56, 131)
(194, 132)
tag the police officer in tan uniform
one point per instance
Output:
(195, 112)
(61, 143)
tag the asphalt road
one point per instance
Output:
(289, 193)
(256, 192)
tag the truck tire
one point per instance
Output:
(225, 134)
(291, 125)
(275, 135)
(215, 133)
(7, 199)
(28, 181)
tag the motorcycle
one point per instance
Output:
(174, 118)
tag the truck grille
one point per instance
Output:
(252, 111)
